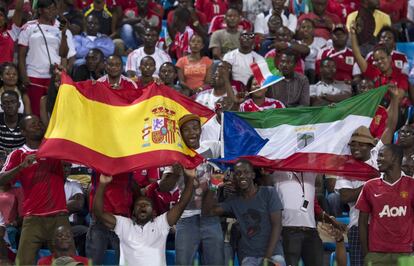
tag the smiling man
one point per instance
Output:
(388, 202)
(142, 237)
(259, 213)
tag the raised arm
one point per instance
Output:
(18, 13)
(362, 63)
(175, 213)
(393, 109)
(276, 223)
(7, 176)
(108, 219)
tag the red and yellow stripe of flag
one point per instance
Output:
(99, 127)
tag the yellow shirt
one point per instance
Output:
(381, 20)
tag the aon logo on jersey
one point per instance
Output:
(388, 211)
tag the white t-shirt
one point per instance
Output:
(142, 245)
(211, 130)
(331, 89)
(289, 188)
(208, 99)
(72, 188)
(135, 57)
(255, 7)
(260, 24)
(37, 60)
(342, 182)
(317, 45)
(241, 64)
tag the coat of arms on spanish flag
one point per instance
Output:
(97, 126)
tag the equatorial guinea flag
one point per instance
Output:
(308, 139)
(103, 129)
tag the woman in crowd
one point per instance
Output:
(194, 70)
(9, 81)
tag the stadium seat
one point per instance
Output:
(170, 257)
(408, 49)
(109, 257)
(344, 220)
(332, 261)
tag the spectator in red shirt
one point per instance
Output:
(379, 121)
(63, 246)
(143, 14)
(388, 38)
(388, 202)
(211, 8)
(283, 42)
(342, 55)
(42, 180)
(324, 21)
(198, 21)
(258, 100)
(8, 36)
(219, 22)
(381, 70)
(396, 9)
(147, 67)
(11, 200)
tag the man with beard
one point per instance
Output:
(143, 237)
(93, 69)
(363, 149)
(44, 206)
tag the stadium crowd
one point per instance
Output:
(326, 50)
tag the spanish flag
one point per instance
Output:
(106, 130)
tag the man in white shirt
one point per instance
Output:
(148, 49)
(241, 59)
(221, 87)
(289, 20)
(363, 148)
(143, 237)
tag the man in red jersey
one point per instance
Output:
(44, 205)
(388, 201)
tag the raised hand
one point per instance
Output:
(105, 179)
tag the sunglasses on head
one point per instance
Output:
(248, 35)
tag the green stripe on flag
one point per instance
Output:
(365, 104)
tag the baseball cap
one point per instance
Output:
(362, 135)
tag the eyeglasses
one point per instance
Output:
(247, 35)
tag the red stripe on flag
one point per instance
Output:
(331, 164)
(257, 73)
(73, 152)
(100, 93)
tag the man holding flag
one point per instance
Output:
(364, 149)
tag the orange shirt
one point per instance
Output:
(194, 72)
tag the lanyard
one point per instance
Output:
(302, 184)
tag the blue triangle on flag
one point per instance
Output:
(240, 139)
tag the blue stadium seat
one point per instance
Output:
(333, 257)
(109, 257)
(344, 220)
(170, 257)
(42, 253)
(408, 49)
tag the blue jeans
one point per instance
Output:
(191, 232)
(129, 37)
(253, 261)
(98, 239)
